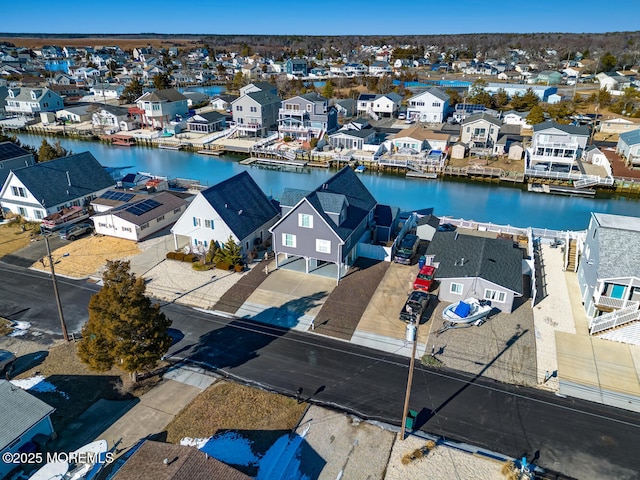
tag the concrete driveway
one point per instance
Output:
(288, 299)
(37, 249)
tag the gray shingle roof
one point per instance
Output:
(570, 129)
(291, 196)
(617, 236)
(64, 179)
(264, 98)
(364, 133)
(241, 204)
(497, 261)
(168, 95)
(482, 116)
(19, 411)
(168, 202)
(9, 150)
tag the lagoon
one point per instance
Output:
(481, 202)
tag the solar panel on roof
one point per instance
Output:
(143, 207)
(117, 196)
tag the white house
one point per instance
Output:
(235, 208)
(515, 118)
(159, 108)
(23, 417)
(432, 105)
(112, 119)
(555, 146)
(140, 217)
(39, 190)
(379, 105)
(629, 147)
(618, 125)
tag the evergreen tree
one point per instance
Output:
(536, 115)
(500, 99)
(132, 92)
(124, 328)
(48, 152)
(327, 90)
(229, 253)
(162, 81)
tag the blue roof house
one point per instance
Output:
(629, 147)
(39, 190)
(235, 208)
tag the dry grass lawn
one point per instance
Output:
(82, 387)
(12, 238)
(85, 256)
(258, 415)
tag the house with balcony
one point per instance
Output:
(352, 139)
(307, 116)
(157, 109)
(39, 190)
(297, 67)
(609, 277)
(256, 113)
(380, 68)
(110, 119)
(321, 229)
(555, 147)
(628, 147)
(379, 105)
(480, 133)
(32, 101)
(432, 105)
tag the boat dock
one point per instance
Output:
(274, 162)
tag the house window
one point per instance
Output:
(323, 246)
(197, 222)
(22, 211)
(253, 109)
(496, 295)
(289, 240)
(177, 210)
(159, 219)
(126, 229)
(309, 108)
(456, 288)
(19, 191)
(238, 108)
(142, 227)
(208, 224)
(305, 220)
(39, 214)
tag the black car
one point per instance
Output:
(414, 307)
(447, 227)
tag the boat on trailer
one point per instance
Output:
(470, 310)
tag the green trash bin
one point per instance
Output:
(411, 419)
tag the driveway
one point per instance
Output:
(33, 252)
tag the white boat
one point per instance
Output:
(51, 471)
(360, 169)
(466, 311)
(90, 456)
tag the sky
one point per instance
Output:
(323, 17)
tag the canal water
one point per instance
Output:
(480, 202)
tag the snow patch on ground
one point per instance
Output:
(19, 329)
(37, 384)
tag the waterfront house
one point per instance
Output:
(628, 147)
(32, 101)
(75, 114)
(256, 113)
(352, 139)
(166, 461)
(379, 105)
(235, 208)
(259, 87)
(609, 277)
(555, 147)
(417, 140)
(104, 91)
(206, 122)
(25, 420)
(480, 267)
(296, 67)
(432, 106)
(322, 228)
(139, 217)
(306, 116)
(157, 109)
(480, 132)
(222, 102)
(11, 157)
(110, 119)
(39, 190)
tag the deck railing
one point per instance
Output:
(617, 318)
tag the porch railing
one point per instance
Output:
(601, 300)
(617, 318)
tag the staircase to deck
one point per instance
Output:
(372, 114)
(572, 256)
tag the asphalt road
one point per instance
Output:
(579, 439)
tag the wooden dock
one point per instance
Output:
(274, 162)
(413, 174)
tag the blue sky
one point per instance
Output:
(323, 17)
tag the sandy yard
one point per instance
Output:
(86, 256)
(12, 238)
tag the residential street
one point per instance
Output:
(577, 438)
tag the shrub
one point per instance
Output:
(223, 266)
(430, 445)
(203, 267)
(171, 255)
(239, 268)
(180, 256)
(190, 258)
(287, 139)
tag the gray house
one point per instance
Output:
(484, 268)
(480, 131)
(324, 226)
(11, 157)
(23, 418)
(307, 116)
(352, 139)
(206, 122)
(609, 277)
(256, 113)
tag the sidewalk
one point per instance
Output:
(156, 408)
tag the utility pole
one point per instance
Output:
(55, 291)
(409, 380)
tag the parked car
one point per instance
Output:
(424, 280)
(401, 116)
(7, 360)
(414, 307)
(407, 249)
(76, 230)
(447, 227)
